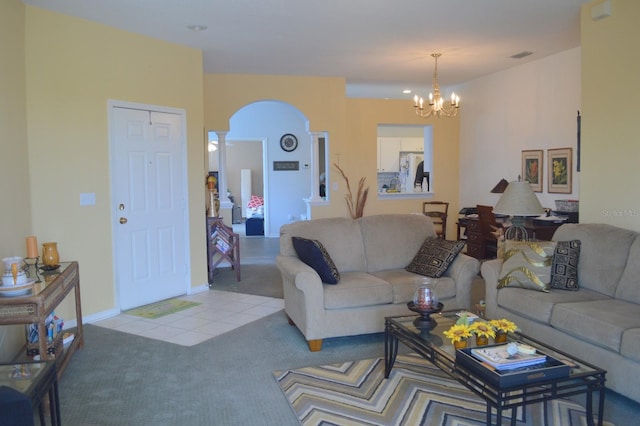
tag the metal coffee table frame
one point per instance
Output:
(434, 347)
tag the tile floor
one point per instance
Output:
(219, 312)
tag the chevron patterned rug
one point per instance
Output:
(416, 393)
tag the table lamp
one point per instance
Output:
(518, 201)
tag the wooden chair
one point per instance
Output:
(488, 226)
(437, 211)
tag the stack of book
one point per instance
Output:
(499, 358)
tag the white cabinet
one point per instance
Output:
(389, 152)
(389, 155)
(412, 144)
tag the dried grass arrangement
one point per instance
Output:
(356, 211)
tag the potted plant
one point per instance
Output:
(483, 331)
(459, 333)
(502, 327)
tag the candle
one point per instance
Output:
(32, 247)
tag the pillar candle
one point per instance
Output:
(32, 247)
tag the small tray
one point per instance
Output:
(551, 369)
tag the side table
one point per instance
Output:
(35, 380)
(34, 308)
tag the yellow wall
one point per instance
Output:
(15, 225)
(609, 190)
(73, 67)
(352, 132)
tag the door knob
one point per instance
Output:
(123, 220)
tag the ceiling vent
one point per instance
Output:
(521, 55)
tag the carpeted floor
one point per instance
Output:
(416, 393)
(126, 380)
(260, 280)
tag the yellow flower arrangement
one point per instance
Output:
(482, 329)
(503, 325)
(457, 332)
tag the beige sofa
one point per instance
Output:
(371, 254)
(600, 322)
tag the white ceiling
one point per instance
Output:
(379, 46)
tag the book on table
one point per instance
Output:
(500, 359)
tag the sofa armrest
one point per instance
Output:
(463, 270)
(303, 293)
(490, 271)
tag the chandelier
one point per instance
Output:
(436, 106)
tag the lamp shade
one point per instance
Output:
(519, 200)
(500, 186)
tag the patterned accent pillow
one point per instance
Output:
(435, 256)
(564, 270)
(313, 253)
(527, 264)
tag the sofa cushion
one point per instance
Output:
(435, 256)
(629, 287)
(527, 264)
(404, 285)
(538, 306)
(313, 253)
(600, 323)
(357, 289)
(630, 346)
(603, 254)
(564, 269)
(340, 236)
(392, 240)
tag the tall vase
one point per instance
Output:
(50, 255)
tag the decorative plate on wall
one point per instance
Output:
(288, 142)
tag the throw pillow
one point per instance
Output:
(313, 253)
(564, 270)
(527, 264)
(435, 256)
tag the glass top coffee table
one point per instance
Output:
(532, 388)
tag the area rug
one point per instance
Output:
(162, 308)
(416, 393)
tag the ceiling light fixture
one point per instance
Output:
(436, 106)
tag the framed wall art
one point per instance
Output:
(560, 169)
(532, 168)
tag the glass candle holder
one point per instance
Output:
(426, 296)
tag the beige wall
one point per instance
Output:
(73, 68)
(15, 225)
(610, 192)
(352, 131)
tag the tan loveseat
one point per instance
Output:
(371, 254)
(600, 322)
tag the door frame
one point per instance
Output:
(111, 104)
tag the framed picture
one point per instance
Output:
(560, 169)
(532, 168)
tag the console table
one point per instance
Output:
(34, 308)
(471, 226)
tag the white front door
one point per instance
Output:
(149, 205)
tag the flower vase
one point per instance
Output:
(482, 341)
(460, 344)
(50, 255)
(501, 336)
